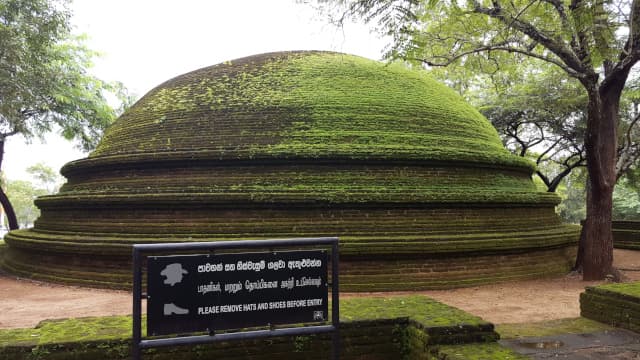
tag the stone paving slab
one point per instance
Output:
(612, 344)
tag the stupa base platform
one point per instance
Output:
(390, 272)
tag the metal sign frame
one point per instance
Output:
(139, 251)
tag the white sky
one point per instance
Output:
(145, 42)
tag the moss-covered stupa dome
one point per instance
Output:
(414, 180)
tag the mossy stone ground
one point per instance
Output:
(532, 332)
(407, 326)
(429, 314)
(577, 325)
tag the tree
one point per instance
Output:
(626, 201)
(573, 194)
(629, 130)
(44, 83)
(22, 194)
(595, 42)
(547, 113)
(45, 177)
(45, 181)
(539, 117)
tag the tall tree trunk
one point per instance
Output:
(4, 200)
(578, 267)
(8, 210)
(598, 240)
(601, 145)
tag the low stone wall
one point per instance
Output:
(613, 304)
(626, 234)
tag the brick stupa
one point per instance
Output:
(415, 181)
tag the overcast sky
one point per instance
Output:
(145, 42)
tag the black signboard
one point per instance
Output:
(190, 293)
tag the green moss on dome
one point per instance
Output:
(307, 104)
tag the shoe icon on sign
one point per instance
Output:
(171, 309)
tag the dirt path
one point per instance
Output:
(25, 303)
(523, 301)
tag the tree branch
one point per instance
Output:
(626, 155)
(631, 52)
(568, 57)
(566, 25)
(542, 155)
(568, 169)
(3, 136)
(510, 49)
(630, 128)
(544, 179)
(524, 146)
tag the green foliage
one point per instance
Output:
(44, 84)
(540, 114)
(22, 194)
(573, 193)
(43, 75)
(537, 93)
(45, 177)
(626, 201)
(485, 36)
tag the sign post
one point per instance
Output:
(213, 292)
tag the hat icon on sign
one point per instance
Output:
(173, 273)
